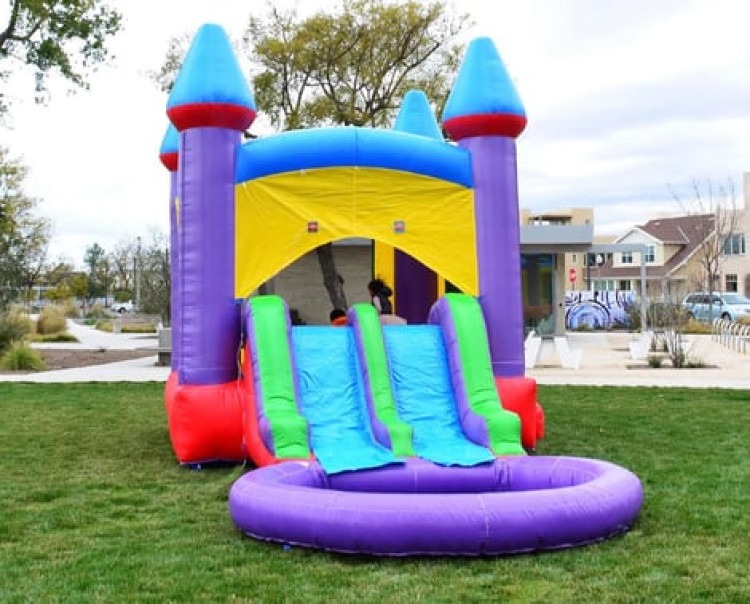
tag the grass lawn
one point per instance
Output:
(94, 507)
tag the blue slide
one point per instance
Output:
(331, 398)
(422, 387)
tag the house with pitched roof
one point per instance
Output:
(674, 258)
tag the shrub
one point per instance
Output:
(14, 327)
(655, 361)
(665, 315)
(51, 320)
(62, 336)
(69, 308)
(126, 327)
(694, 362)
(21, 357)
(97, 312)
(696, 327)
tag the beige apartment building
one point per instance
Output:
(676, 255)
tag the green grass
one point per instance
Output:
(94, 508)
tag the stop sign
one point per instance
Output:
(572, 275)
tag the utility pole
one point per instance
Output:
(137, 273)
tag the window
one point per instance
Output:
(650, 256)
(730, 283)
(734, 245)
(623, 285)
(626, 257)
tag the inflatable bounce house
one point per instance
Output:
(367, 438)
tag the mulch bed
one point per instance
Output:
(67, 359)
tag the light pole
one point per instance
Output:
(137, 273)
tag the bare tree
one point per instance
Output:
(719, 202)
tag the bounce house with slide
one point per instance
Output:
(367, 438)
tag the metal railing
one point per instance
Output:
(732, 335)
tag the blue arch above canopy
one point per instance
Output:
(353, 146)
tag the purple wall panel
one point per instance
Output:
(210, 322)
(174, 261)
(498, 235)
(415, 286)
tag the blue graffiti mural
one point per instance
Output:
(599, 309)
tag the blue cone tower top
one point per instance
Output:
(210, 90)
(484, 101)
(416, 116)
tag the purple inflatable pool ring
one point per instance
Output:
(513, 505)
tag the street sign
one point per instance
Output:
(572, 275)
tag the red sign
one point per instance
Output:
(572, 275)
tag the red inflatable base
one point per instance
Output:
(219, 422)
(205, 422)
(518, 394)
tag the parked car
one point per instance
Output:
(730, 306)
(122, 307)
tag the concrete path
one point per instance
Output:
(135, 370)
(605, 360)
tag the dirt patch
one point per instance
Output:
(55, 359)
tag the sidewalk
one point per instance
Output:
(135, 370)
(605, 361)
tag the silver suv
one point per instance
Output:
(728, 306)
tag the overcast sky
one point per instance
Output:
(626, 99)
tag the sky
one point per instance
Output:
(628, 102)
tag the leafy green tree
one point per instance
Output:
(57, 278)
(66, 37)
(352, 66)
(24, 236)
(78, 283)
(100, 273)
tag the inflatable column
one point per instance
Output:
(209, 105)
(485, 115)
(169, 156)
(415, 284)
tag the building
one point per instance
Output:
(677, 251)
(735, 265)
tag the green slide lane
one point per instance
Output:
(504, 427)
(376, 362)
(273, 371)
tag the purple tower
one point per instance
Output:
(485, 115)
(169, 154)
(210, 105)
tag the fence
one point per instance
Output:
(733, 335)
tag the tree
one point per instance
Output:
(56, 36)
(154, 277)
(353, 65)
(122, 262)
(100, 273)
(24, 237)
(719, 203)
(349, 66)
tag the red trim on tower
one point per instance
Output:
(170, 160)
(488, 124)
(217, 115)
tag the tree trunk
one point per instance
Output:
(333, 282)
